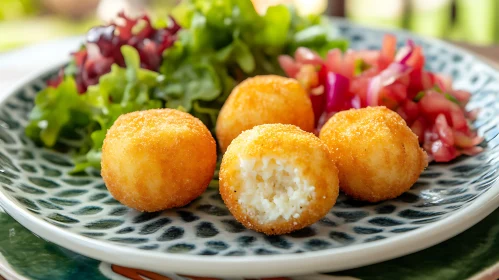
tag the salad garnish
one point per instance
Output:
(431, 107)
(190, 62)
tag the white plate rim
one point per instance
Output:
(329, 260)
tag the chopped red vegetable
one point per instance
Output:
(396, 79)
(103, 43)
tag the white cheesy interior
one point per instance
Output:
(272, 188)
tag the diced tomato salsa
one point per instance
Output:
(431, 107)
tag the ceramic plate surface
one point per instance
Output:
(77, 212)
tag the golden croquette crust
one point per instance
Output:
(377, 154)
(301, 149)
(157, 159)
(262, 100)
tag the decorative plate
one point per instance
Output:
(78, 213)
(469, 255)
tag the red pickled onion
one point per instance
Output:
(336, 90)
(394, 71)
(356, 103)
(319, 100)
(323, 119)
(403, 55)
(411, 43)
(427, 102)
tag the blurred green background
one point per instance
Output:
(472, 21)
(24, 22)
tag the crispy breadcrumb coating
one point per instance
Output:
(377, 154)
(277, 178)
(158, 159)
(263, 100)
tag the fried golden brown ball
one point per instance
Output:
(277, 178)
(377, 154)
(157, 159)
(263, 100)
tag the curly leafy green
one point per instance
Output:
(221, 43)
(275, 26)
(56, 109)
(226, 41)
(188, 81)
(120, 91)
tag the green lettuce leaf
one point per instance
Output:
(56, 109)
(190, 81)
(226, 40)
(320, 37)
(222, 42)
(118, 92)
(121, 91)
(276, 24)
